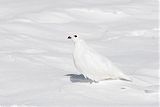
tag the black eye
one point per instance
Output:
(75, 36)
(69, 37)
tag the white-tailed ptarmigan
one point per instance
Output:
(92, 65)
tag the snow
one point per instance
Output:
(36, 65)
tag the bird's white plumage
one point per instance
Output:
(92, 65)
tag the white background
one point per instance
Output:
(35, 54)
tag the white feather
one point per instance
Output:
(93, 65)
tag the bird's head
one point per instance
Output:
(74, 38)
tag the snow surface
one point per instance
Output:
(36, 66)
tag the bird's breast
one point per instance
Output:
(87, 60)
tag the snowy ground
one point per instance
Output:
(36, 67)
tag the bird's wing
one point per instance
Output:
(95, 60)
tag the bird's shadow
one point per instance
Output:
(75, 78)
(79, 78)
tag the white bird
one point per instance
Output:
(92, 65)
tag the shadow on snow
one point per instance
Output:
(74, 78)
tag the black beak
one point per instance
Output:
(69, 37)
